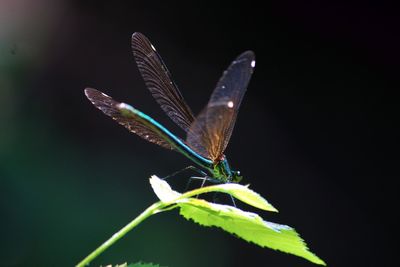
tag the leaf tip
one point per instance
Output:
(162, 189)
(273, 209)
(318, 261)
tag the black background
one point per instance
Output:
(315, 134)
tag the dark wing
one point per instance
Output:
(210, 133)
(132, 121)
(159, 81)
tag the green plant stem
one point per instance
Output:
(156, 207)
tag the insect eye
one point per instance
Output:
(236, 177)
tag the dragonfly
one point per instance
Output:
(208, 134)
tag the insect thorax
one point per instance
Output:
(222, 171)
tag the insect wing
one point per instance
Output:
(159, 82)
(122, 113)
(210, 132)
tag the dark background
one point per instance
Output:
(315, 134)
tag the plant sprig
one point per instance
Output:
(246, 225)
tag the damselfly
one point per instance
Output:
(208, 134)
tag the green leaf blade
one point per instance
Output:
(142, 264)
(163, 190)
(248, 226)
(137, 264)
(245, 194)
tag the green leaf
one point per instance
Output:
(141, 264)
(118, 265)
(248, 226)
(138, 264)
(241, 192)
(162, 189)
(165, 193)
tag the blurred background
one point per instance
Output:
(315, 135)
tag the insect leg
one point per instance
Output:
(197, 178)
(192, 168)
(215, 198)
(233, 200)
